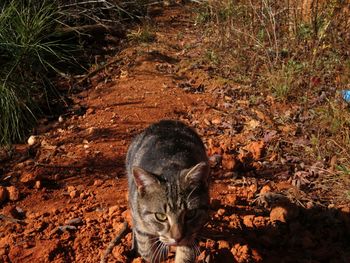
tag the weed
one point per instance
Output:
(212, 57)
(144, 34)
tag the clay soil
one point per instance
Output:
(64, 198)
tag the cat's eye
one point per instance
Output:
(160, 217)
(190, 214)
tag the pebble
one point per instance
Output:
(215, 159)
(32, 140)
(38, 185)
(73, 194)
(221, 212)
(74, 221)
(223, 244)
(248, 220)
(265, 189)
(67, 228)
(28, 178)
(279, 214)
(216, 121)
(118, 253)
(13, 193)
(113, 210)
(98, 182)
(90, 111)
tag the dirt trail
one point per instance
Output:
(72, 182)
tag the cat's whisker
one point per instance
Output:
(154, 253)
(189, 195)
(153, 248)
(162, 255)
(157, 255)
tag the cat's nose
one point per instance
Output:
(178, 240)
(176, 233)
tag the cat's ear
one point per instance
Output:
(143, 179)
(197, 174)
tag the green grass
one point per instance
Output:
(29, 55)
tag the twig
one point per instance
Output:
(13, 220)
(70, 166)
(114, 242)
(90, 74)
(216, 108)
(85, 3)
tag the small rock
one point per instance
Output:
(60, 119)
(28, 178)
(118, 253)
(91, 130)
(253, 188)
(3, 195)
(13, 193)
(38, 185)
(98, 182)
(221, 212)
(17, 212)
(70, 188)
(90, 111)
(73, 193)
(210, 244)
(228, 162)
(223, 244)
(67, 228)
(127, 217)
(309, 205)
(231, 199)
(248, 220)
(137, 260)
(215, 159)
(216, 121)
(259, 221)
(279, 214)
(113, 210)
(265, 189)
(33, 140)
(330, 206)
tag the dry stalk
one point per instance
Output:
(114, 242)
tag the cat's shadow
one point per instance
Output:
(309, 235)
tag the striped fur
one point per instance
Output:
(168, 191)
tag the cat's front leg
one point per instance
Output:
(185, 254)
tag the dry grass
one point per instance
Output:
(296, 51)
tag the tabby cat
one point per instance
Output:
(168, 175)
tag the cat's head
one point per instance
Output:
(175, 211)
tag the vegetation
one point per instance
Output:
(37, 44)
(296, 51)
(28, 54)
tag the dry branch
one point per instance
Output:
(114, 242)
